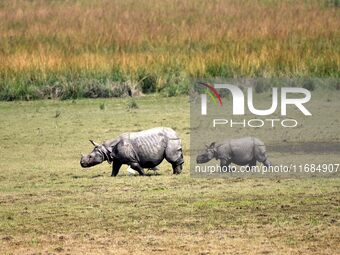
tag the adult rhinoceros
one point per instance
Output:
(243, 151)
(144, 149)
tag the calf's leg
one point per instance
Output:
(225, 164)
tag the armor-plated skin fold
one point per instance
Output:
(144, 149)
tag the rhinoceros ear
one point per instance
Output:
(93, 142)
(212, 145)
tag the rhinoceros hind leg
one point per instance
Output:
(251, 164)
(177, 169)
(174, 155)
(138, 168)
(225, 164)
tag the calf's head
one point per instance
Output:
(207, 155)
(96, 157)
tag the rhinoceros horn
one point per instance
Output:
(93, 142)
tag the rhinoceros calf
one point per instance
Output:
(243, 151)
(144, 149)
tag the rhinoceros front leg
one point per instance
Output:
(267, 163)
(138, 168)
(224, 163)
(115, 168)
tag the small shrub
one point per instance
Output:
(309, 84)
(132, 104)
(102, 106)
(147, 81)
(121, 90)
(175, 84)
(170, 90)
(96, 89)
(57, 114)
(7, 94)
(50, 91)
(261, 85)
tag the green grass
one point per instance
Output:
(49, 204)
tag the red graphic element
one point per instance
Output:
(213, 90)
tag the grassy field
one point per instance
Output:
(72, 49)
(49, 205)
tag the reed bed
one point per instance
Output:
(68, 45)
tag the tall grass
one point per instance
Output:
(71, 44)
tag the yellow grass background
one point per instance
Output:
(196, 37)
